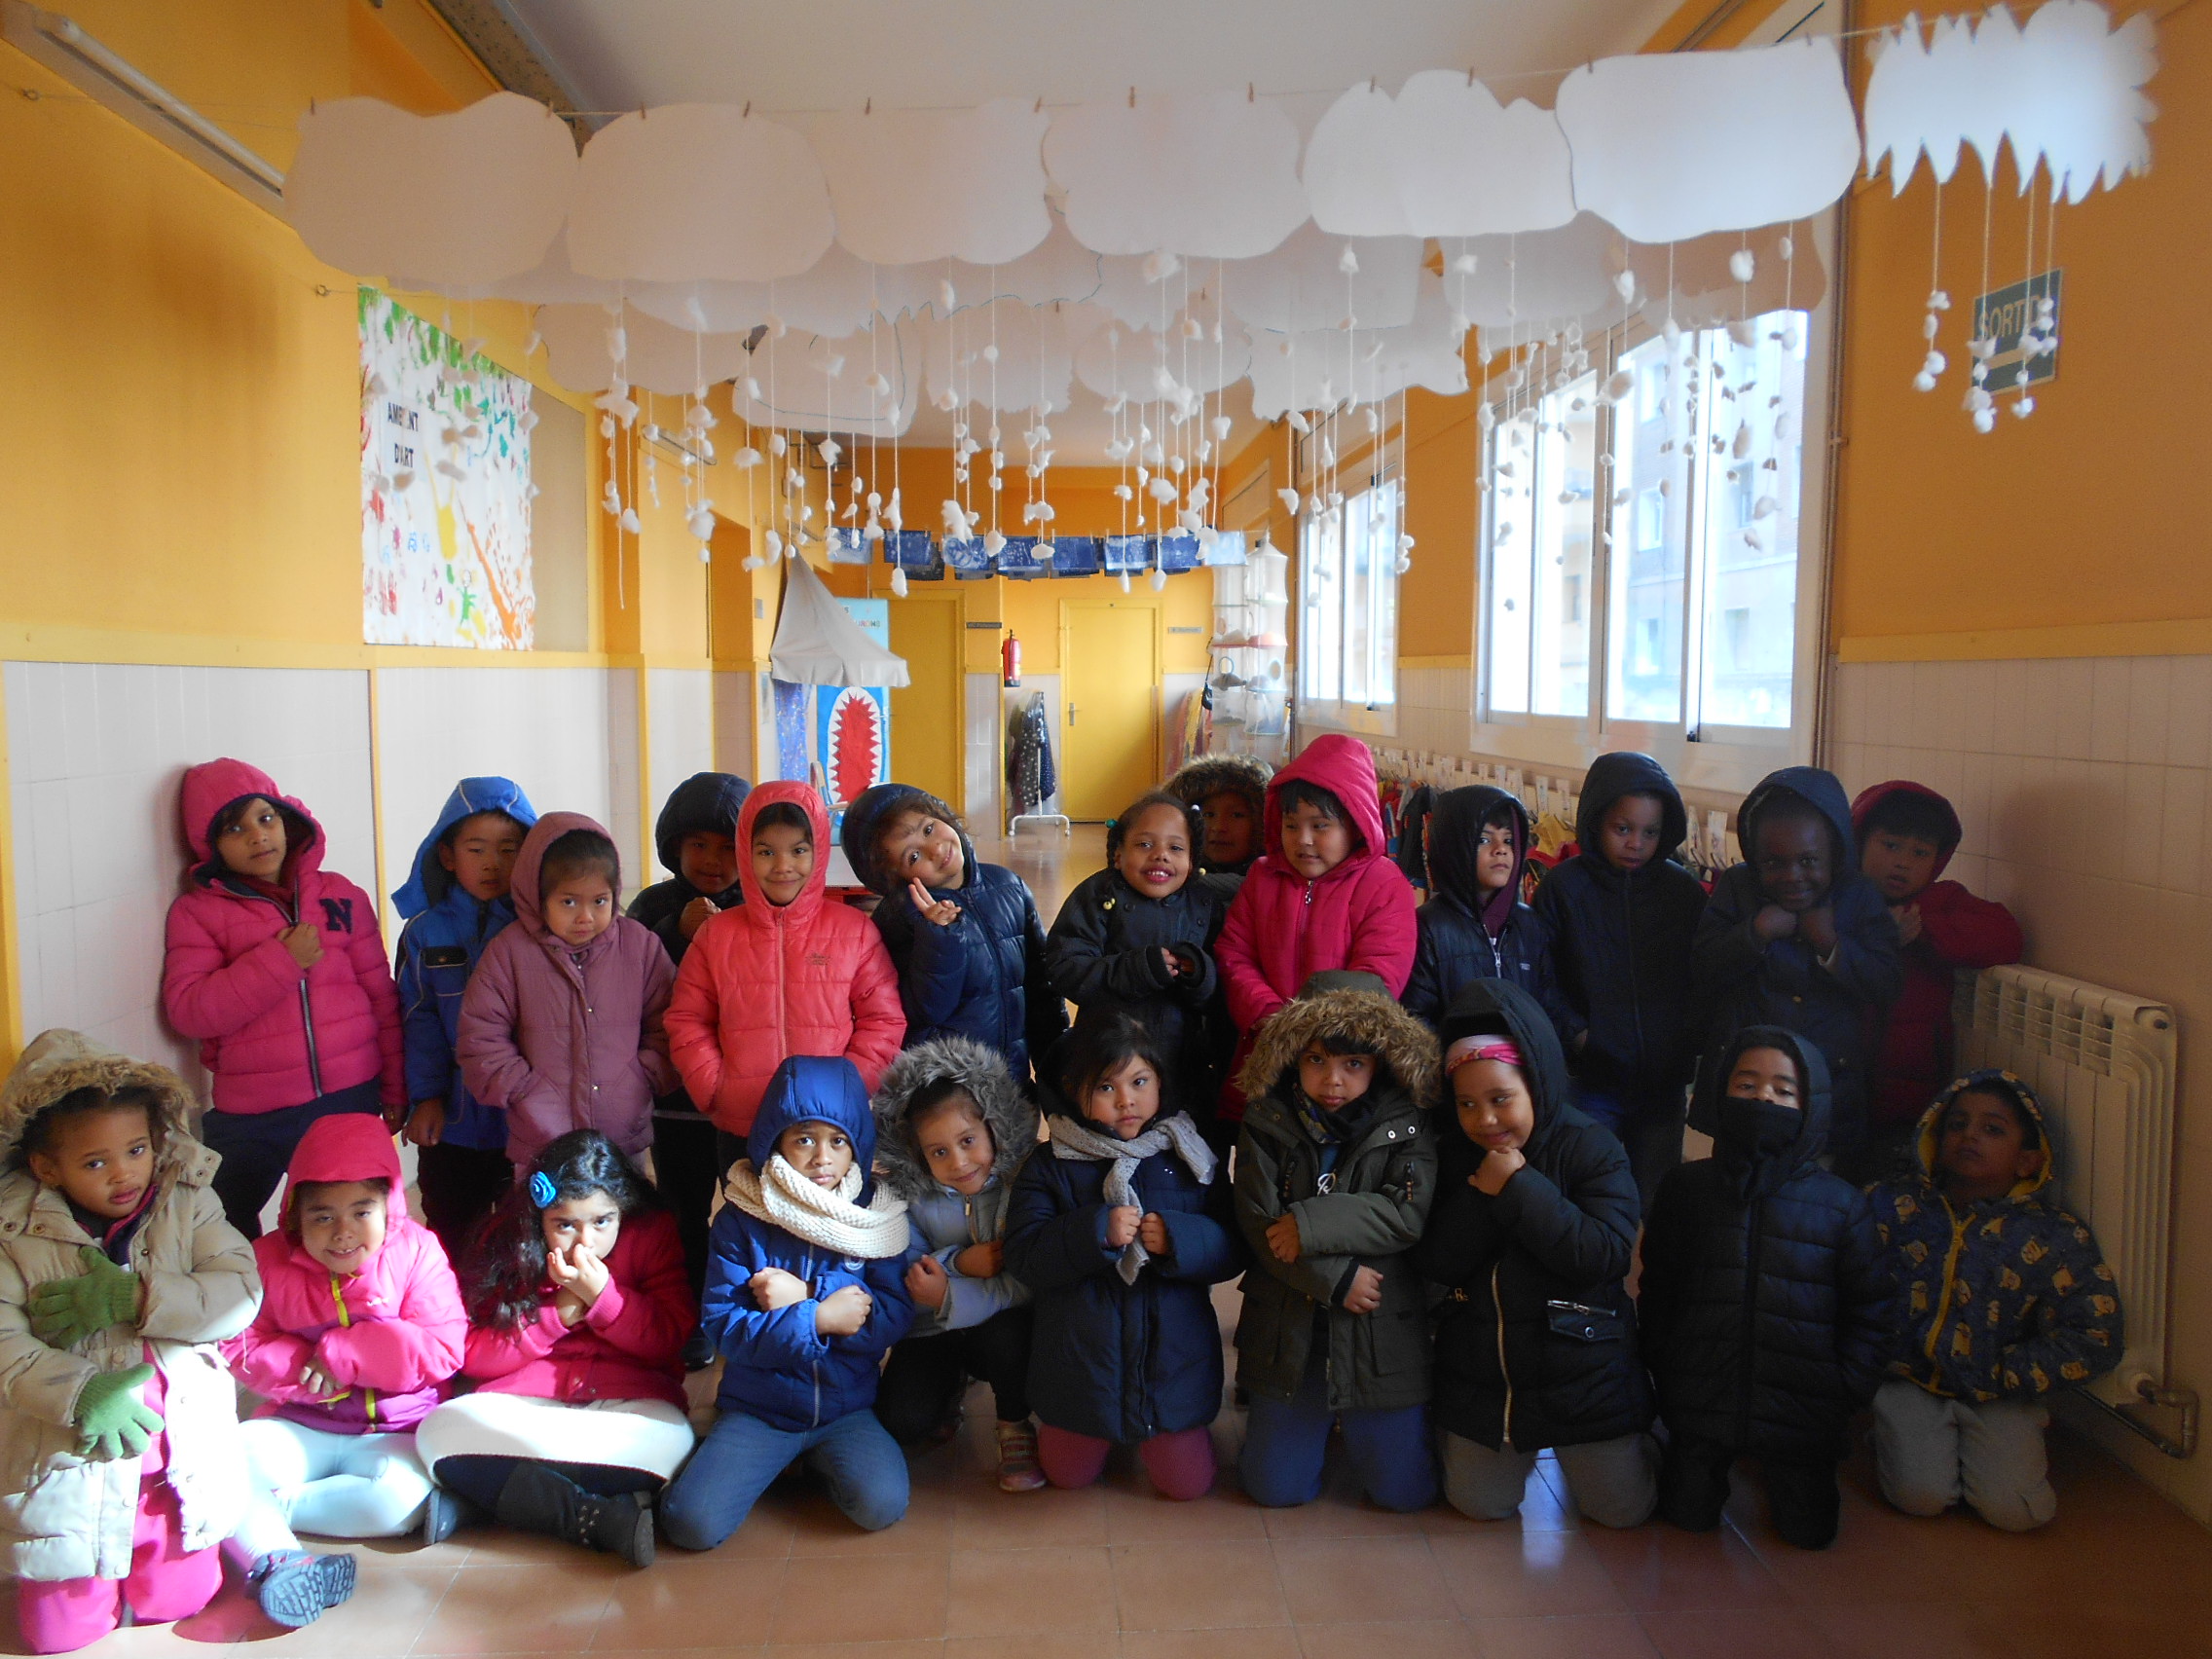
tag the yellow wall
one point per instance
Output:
(2084, 522)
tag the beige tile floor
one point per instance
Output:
(1117, 1573)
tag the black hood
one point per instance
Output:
(1764, 1174)
(1499, 1005)
(1455, 830)
(1628, 772)
(1413, 820)
(868, 814)
(1819, 789)
(705, 803)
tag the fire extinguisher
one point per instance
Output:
(1010, 660)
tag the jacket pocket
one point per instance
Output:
(1579, 1322)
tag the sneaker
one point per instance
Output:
(296, 1589)
(1017, 1457)
(445, 1513)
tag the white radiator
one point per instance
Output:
(2102, 1061)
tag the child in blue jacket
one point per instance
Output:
(805, 1292)
(1471, 855)
(455, 902)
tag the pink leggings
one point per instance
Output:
(1180, 1465)
(167, 1582)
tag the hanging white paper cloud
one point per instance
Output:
(696, 191)
(1442, 159)
(1207, 174)
(915, 185)
(2066, 89)
(1304, 284)
(656, 358)
(467, 198)
(836, 298)
(796, 388)
(1058, 270)
(1114, 359)
(1671, 145)
(1317, 370)
(1527, 283)
(1000, 357)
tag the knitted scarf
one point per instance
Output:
(784, 1198)
(1073, 1139)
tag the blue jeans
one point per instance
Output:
(1285, 1441)
(741, 1456)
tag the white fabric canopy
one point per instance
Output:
(818, 644)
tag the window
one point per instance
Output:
(1692, 557)
(1348, 586)
(1542, 505)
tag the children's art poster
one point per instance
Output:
(792, 701)
(851, 740)
(445, 489)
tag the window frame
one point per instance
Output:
(1375, 715)
(1698, 752)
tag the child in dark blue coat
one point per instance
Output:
(1120, 1227)
(1472, 854)
(964, 935)
(1622, 914)
(805, 1294)
(455, 902)
(1796, 937)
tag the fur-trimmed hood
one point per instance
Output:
(1199, 781)
(59, 1062)
(981, 1072)
(1404, 1044)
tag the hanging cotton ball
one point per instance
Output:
(1486, 416)
(1624, 284)
(1619, 385)
(876, 384)
(776, 327)
(1764, 507)
(776, 444)
(1288, 498)
(1298, 422)
(1742, 447)
(745, 459)
(1515, 377)
(996, 482)
(990, 353)
(1192, 329)
(1124, 582)
(831, 450)
(1786, 428)
(1403, 565)
(1159, 267)
(1744, 332)
(1349, 261)
(1374, 420)
(1163, 490)
(1672, 332)
(1929, 324)
(899, 572)
(1752, 540)
(1158, 579)
(1464, 266)
(617, 342)
(1125, 491)
(1405, 545)
(605, 427)
(792, 479)
(630, 520)
(946, 298)
(701, 522)
(2023, 407)
(1924, 382)
(1666, 487)
(1938, 300)
(1985, 419)
(1742, 265)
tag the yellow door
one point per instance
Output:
(1109, 748)
(926, 712)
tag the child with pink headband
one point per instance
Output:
(1531, 1232)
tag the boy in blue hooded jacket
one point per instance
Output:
(805, 1292)
(455, 902)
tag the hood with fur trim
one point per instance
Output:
(1367, 1017)
(1199, 781)
(60, 1062)
(981, 1072)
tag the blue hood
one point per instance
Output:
(1820, 791)
(429, 881)
(817, 1088)
(870, 810)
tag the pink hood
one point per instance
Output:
(1345, 767)
(391, 1334)
(214, 785)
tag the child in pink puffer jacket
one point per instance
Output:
(361, 1326)
(276, 966)
(561, 1024)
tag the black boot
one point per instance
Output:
(542, 1499)
(445, 1512)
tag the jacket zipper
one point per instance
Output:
(1754, 1234)
(1497, 1306)
(345, 1321)
(1950, 1278)
(1635, 980)
(813, 1286)
(291, 915)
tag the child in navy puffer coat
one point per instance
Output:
(455, 904)
(964, 935)
(1471, 855)
(805, 1292)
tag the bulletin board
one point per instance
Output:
(445, 489)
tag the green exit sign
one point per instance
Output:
(2006, 316)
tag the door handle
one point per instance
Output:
(1071, 714)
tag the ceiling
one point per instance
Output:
(815, 60)
(827, 55)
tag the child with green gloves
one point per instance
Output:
(118, 1276)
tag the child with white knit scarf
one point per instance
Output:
(806, 1291)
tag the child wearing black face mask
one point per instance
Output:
(1760, 1264)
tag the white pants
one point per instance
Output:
(1930, 1452)
(649, 1436)
(336, 1486)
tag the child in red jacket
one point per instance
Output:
(276, 966)
(578, 1305)
(361, 1326)
(1325, 894)
(789, 971)
(1906, 834)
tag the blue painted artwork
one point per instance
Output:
(1075, 556)
(848, 547)
(1126, 553)
(1228, 548)
(1024, 558)
(793, 704)
(964, 558)
(1178, 553)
